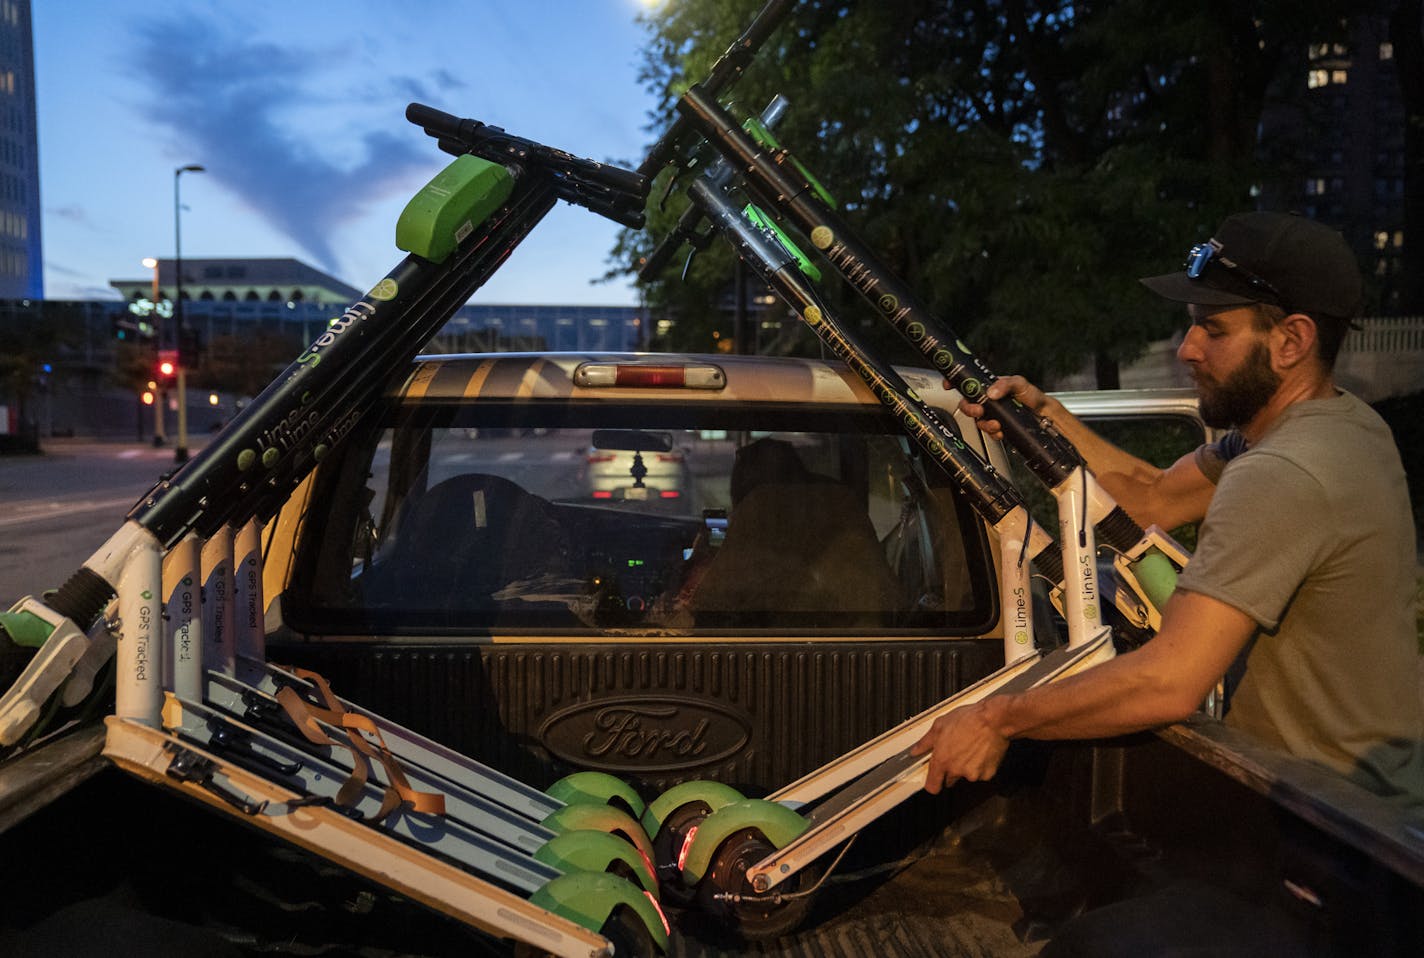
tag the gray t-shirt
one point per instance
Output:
(1309, 534)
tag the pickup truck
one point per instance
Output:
(726, 568)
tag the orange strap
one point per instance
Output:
(308, 719)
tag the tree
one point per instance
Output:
(1018, 163)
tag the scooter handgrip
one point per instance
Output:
(437, 123)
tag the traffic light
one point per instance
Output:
(167, 368)
(131, 329)
(133, 325)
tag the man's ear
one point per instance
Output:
(1295, 339)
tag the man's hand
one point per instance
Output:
(1016, 386)
(964, 744)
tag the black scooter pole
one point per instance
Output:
(988, 492)
(723, 73)
(1048, 455)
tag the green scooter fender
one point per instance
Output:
(450, 206)
(588, 898)
(595, 788)
(714, 795)
(601, 818)
(776, 822)
(1157, 575)
(588, 851)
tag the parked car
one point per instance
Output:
(634, 465)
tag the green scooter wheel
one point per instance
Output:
(725, 894)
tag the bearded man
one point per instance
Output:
(1306, 550)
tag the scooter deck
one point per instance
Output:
(162, 760)
(248, 704)
(847, 811)
(415, 750)
(858, 761)
(448, 835)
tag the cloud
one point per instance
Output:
(223, 98)
(71, 213)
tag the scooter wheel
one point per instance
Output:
(667, 850)
(725, 893)
(628, 935)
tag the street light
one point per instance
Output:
(180, 451)
(155, 400)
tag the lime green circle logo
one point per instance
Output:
(971, 388)
(813, 315)
(1021, 637)
(821, 237)
(385, 290)
(888, 303)
(1090, 612)
(916, 331)
(942, 359)
(246, 459)
(270, 457)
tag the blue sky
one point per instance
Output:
(297, 110)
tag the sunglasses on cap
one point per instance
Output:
(1202, 254)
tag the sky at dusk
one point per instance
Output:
(297, 111)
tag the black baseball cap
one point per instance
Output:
(1261, 257)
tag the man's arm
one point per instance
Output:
(1164, 681)
(1163, 497)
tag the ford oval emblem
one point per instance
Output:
(656, 734)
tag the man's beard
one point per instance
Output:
(1243, 393)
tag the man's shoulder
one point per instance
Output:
(1319, 431)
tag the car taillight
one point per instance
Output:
(669, 494)
(601, 457)
(651, 375)
(602, 494)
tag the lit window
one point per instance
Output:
(1386, 50)
(1381, 239)
(1339, 77)
(1398, 238)
(1317, 78)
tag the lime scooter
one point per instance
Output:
(173, 600)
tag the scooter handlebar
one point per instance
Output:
(459, 134)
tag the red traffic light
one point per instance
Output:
(167, 363)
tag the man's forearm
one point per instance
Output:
(1152, 496)
(1114, 698)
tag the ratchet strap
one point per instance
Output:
(308, 719)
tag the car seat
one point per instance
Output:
(799, 550)
(469, 537)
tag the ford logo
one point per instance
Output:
(647, 734)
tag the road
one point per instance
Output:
(58, 507)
